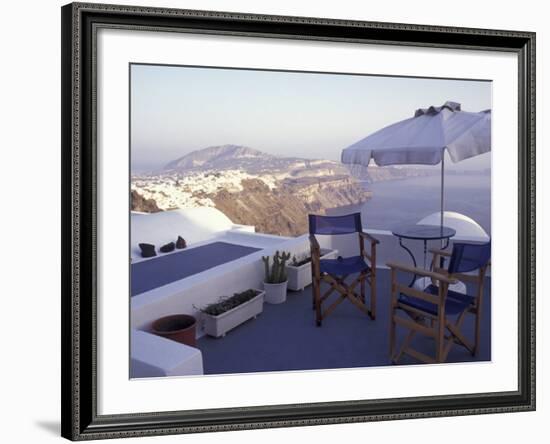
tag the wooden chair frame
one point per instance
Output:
(337, 283)
(445, 332)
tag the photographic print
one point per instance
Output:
(304, 221)
(275, 221)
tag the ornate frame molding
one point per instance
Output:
(79, 389)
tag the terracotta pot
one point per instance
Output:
(178, 327)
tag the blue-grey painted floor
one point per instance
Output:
(285, 337)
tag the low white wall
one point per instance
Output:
(389, 248)
(195, 225)
(187, 295)
(152, 356)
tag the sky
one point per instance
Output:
(176, 110)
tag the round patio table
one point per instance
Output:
(424, 233)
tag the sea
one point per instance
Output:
(405, 201)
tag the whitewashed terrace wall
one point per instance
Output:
(187, 295)
(196, 291)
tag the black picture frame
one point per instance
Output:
(79, 209)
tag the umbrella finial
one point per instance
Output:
(451, 106)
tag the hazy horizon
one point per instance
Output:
(176, 110)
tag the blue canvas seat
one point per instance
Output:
(335, 271)
(437, 311)
(343, 266)
(454, 303)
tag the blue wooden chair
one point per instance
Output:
(335, 271)
(437, 311)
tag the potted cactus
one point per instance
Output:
(275, 282)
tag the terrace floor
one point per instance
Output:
(284, 337)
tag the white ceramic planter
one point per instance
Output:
(275, 293)
(219, 325)
(300, 277)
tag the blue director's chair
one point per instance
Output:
(437, 311)
(335, 271)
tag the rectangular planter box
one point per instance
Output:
(219, 325)
(300, 277)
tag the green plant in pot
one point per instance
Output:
(229, 312)
(275, 281)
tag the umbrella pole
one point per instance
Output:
(442, 196)
(442, 187)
